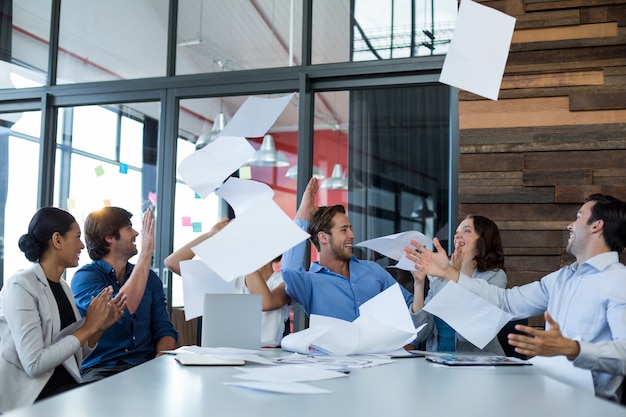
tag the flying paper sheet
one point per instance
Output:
(199, 279)
(471, 316)
(205, 169)
(241, 194)
(393, 246)
(479, 49)
(256, 116)
(384, 326)
(255, 237)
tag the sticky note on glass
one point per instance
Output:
(196, 227)
(479, 49)
(123, 168)
(99, 171)
(152, 197)
(186, 221)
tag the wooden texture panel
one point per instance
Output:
(548, 111)
(552, 18)
(555, 79)
(594, 30)
(599, 101)
(556, 135)
(533, 5)
(533, 178)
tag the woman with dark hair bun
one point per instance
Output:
(478, 253)
(43, 339)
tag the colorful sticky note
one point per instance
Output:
(107, 203)
(245, 173)
(123, 168)
(71, 203)
(196, 227)
(152, 197)
(197, 195)
(186, 221)
(99, 170)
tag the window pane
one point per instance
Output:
(382, 29)
(92, 175)
(193, 215)
(18, 186)
(389, 158)
(110, 40)
(216, 35)
(24, 49)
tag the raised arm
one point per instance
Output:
(172, 262)
(135, 285)
(272, 299)
(307, 205)
(432, 263)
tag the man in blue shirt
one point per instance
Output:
(339, 283)
(145, 329)
(584, 304)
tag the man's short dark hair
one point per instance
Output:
(322, 221)
(101, 224)
(613, 212)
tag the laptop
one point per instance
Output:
(232, 320)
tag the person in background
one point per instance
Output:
(43, 339)
(339, 283)
(145, 330)
(478, 254)
(265, 281)
(584, 304)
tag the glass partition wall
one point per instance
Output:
(112, 110)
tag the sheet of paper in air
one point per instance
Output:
(241, 194)
(252, 239)
(561, 369)
(479, 49)
(393, 246)
(205, 169)
(256, 116)
(471, 316)
(199, 279)
(384, 325)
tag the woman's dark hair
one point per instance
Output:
(45, 222)
(322, 221)
(101, 224)
(489, 244)
(613, 212)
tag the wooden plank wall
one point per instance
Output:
(556, 134)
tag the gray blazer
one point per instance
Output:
(31, 344)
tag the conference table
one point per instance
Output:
(406, 387)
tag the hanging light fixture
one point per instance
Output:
(337, 181)
(220, 120)
(268, 156)
(210, 135)
(423, 211)
(292, 172)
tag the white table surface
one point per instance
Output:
(408, 387)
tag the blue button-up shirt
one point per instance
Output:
(589, 303)
(133, 338)
(323, 292)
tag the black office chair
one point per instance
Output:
(503, 339)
